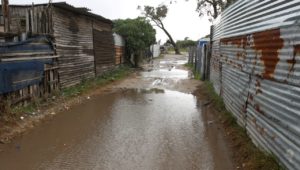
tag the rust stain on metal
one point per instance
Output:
(251, 97)
(257, 84)
(296, 49)
(239, 55)
(240, 41)
(258, 91)
(257, 108)
(258, 87)
(293, 61)
(244, 110)
(268, 43)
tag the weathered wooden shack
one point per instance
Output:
(83, 40)
(66, 45)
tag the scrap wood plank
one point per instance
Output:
(28, 58)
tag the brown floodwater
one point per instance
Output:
(126, 129)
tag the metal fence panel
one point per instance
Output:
(255, 67)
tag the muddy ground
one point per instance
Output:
(154, 119)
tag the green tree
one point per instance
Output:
(157, 15)
(138, 33)
(186, 43)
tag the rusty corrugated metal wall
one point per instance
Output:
(255, 67)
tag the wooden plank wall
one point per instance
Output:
(74, 44)
(120, 52)
(104, 51)
(17, 15)
(36, 20)
(101, 26)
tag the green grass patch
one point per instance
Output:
(31, 107)
(190, 66)
(86, 85)
(255, 157)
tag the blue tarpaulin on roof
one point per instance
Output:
(18, 75)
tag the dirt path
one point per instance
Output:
(150, 120)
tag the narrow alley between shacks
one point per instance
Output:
(150, 120)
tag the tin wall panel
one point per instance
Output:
(215, 67)
(234, 91)
(256, 46)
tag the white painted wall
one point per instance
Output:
(155, 49)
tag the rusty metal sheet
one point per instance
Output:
(255, 67)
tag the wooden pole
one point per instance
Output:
(5, 11)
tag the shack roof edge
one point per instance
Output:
(66, 6)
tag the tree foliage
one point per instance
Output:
(186, 43)
(157, 15)
(212, 8)
(138, 33)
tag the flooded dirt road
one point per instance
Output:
(150, 121)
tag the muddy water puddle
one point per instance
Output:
(133, 129)
(143, 123)
(171, 73)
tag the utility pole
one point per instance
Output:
(6, 17)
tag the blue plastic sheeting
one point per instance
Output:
(40, 44)
(18, 75)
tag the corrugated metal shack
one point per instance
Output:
(255, 67)
(81, 42)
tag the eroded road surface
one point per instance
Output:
(150, 121)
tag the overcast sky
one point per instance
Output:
(182, 20)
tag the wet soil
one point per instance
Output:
(150, 120)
